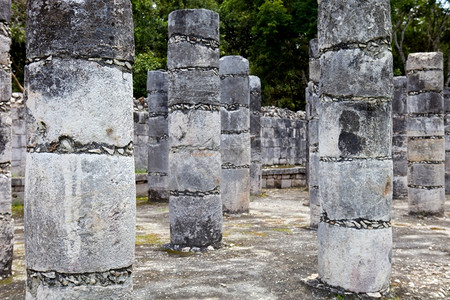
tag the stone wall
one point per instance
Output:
(141, 133)
(283, 136)
(283, 178)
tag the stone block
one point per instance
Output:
(255, 179)
(236, 149)
(194, 170)
(447, 183)
(142, 130)
(232, 120)
(87, 220)
(426, 81)
(270, 183)
(195, 22)
(430, 201)
(5, 138)
(400, 163)
(400, 187)
(447, 99)
(234, 65)
(195, 128)
(350, 66)
(356, 189)
(195, 221)
(426, 150)
(399, 98)
(5, 88)
(314, 70)
(194, 87)
(354, 259)
(447, 142)
(157, 81)
(428, 175)
(424, 103)
(6, 246)
(353, 21)
(421, 126)
(158, 188)
(157, 103)
(188, 55)
(158, 157)
(286, 183)
(424, 60)
(106, 30)
(255, 88)
(235, 190)
(399, 124)
(158, 126)
(235, 90)
(5, 195)
(314, 165)
(63, 87)
(5, 11)
(255, 124)
(355, 129)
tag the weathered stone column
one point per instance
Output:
(80, 192)
(447, 138)
(312, 116)
(158, 143)
(399, 138)
(194, 128)
(425, 130)
(235, 117)
(255, 136)
(355, 125)
(6, 223)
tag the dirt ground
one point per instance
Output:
(267, 254)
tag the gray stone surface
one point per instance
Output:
(255, 136)
(425, 131)
(80, 183)
(355, 145)
(195, 206)
(158, 142)
(235, 144)
(447, 138)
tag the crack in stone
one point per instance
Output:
(227, 166)
(423, 187)
(215, 191)
(233, 106)
(327, 98)
(375, 46)
(235, 131)
(193, 68)
(414, 93)
(57, 279)
(195, 40)
(161, 174)
(123, 65)
(427, 162)
(223, 76)
(198, 106)
(67, 145)
(155, 115)
(358, 223)
(176, 149)
(5, 168)
(430, 137)
(414, 71)
(158, 139)
(341, 159)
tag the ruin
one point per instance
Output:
(312, 116)
(425, 131)
(235, 135)
(354, 232)
(158, 139)
(80, 203)
(6, 222)
(447, 138)
(255, 136)
(399, 138)
(195, 205)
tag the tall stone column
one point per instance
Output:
(425, 130)
(355, 124)
(312, 117)
(6, 223)
(80, 190)
(158, 143)
(399, 138)
(195, 205)
(447, 138)
(235, 118)
(255, 136)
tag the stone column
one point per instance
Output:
(255, 136)
(80, 191)
(447, 138)
(235, 117)
(158, 143)
(399, 138)
(312, 102)
(6, 223)
(194, 128)
(425, 130)
(355, 124)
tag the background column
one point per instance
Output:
(80, 191)
(235, 118)
(447, 138)
(194, 128)
(158, 142)
(6, 223)
(255, 136)
(355, 124)
(425, 126)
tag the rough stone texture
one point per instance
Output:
(447, 138)
(141, 140)
(282, 178)
(195, 206)
(425, 131)
(235, 144)
(6, 223)
(355, 138)
(80, 183)
(312, 116)
(255, 136)
(283, 136)
(399, 139)
(158, 142)
(18, 136)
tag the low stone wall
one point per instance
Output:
(282, 178)
(283, 136)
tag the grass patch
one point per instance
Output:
(140, 171)
(17, 209)
(141, 201)
(287, 230)
(436, 228)
(148, 239)
(261, 234)
(6, 281)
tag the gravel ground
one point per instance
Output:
(267, 254)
